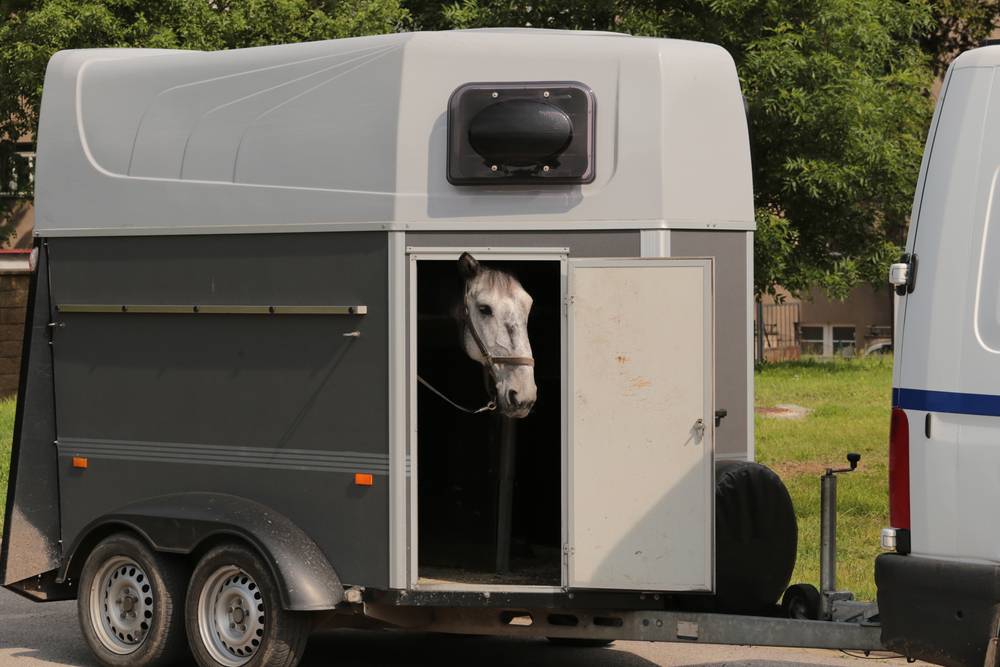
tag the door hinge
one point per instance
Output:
(567, 551)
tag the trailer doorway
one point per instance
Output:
(458, 536)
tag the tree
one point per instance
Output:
(959, 25)
(838, 110)
(33, 30)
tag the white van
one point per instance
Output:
(939, 592)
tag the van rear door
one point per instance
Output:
(946, 374)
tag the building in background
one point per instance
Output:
(817, 326)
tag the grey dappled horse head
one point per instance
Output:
(495, 311)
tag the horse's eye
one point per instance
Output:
(485, 310)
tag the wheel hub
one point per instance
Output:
(231, 616)
(122, 605)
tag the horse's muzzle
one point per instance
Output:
(512, 405)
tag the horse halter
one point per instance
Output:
(492, 362)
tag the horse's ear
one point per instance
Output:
(468, 266)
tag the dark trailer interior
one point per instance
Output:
(461, 466)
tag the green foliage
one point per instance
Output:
(959, 25)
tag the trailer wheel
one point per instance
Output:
(234, 615)
(576, 642)
(131, 604)
(801, 601)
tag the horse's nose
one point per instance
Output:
(515, 402)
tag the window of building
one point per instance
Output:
(811, 339)
(843, 341)
(827, 340)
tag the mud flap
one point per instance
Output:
(30, 550)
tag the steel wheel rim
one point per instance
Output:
(231, 616)
(121, 605)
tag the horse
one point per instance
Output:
(493, 319)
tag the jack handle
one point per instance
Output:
(852, 458)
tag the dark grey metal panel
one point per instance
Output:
(276, 409)
(731, 321)
(581, 244)
(31, 528)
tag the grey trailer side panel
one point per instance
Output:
(732, 312)
(31, 526)
(282, 409)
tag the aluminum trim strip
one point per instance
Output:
(170, 309)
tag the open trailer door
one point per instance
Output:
(640, 485)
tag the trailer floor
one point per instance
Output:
(33, 635)
(531, 574)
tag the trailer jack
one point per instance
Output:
(804, 601)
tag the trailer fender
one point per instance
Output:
(187, 523)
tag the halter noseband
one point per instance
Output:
(492, 361)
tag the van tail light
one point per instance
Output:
(899, 470)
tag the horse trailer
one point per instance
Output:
(440, 331)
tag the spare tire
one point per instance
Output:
(756, 537)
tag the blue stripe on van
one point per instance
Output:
(947, 401)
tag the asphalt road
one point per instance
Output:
(47, 634)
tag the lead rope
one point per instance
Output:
(489, 407)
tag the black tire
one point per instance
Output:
(144, 592)
(756, 538)
(574, 642)
(264, 635)
(801, 601)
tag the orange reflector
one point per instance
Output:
(363, 479)
(80, 462)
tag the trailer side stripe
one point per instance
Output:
(947, 401)
(228, 456)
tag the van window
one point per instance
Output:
(987, 315)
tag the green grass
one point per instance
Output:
(6, 437)
(850, 413)
(850, 404)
